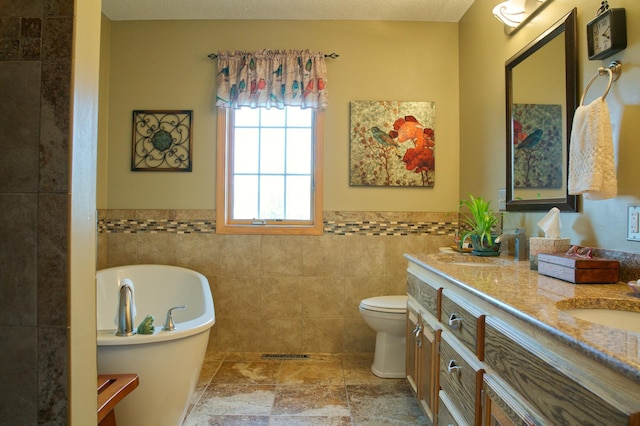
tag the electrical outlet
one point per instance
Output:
(502, 199)
(633, 222)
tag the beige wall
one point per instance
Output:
(164, 65)
(484, 48)
(83, 219)
(103, 119)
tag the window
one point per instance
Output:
(269, 178)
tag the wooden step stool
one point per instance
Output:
(111, 389)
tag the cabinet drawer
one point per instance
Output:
(503, 407)
(425, 293)
(463, 321)
(461, 379)
(553, 386)
(446, 415)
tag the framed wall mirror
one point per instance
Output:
(541, 98)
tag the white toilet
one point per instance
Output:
(387, 316)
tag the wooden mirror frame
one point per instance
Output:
(568, 26)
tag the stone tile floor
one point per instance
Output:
(324, 389)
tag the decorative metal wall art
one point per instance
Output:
(161, 141)
(392, 143)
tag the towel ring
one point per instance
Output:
(614, 70)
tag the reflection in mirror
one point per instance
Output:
(541, 93)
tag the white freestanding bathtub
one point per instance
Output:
(167, 362)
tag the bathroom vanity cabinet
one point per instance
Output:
(474, 360)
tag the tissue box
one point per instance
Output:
(579, 270)
(539, 245)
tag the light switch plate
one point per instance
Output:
(633, 222)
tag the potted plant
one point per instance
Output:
(481, 220)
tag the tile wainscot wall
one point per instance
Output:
(281, 294)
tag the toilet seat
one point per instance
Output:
(388, 304)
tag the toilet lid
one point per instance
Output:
(394, 304)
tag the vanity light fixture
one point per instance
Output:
(510, 12)
(513, 13)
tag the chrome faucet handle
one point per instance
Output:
(168, 324)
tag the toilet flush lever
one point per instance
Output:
(168, 324)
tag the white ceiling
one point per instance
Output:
(365, 10)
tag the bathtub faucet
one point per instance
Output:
(125, 311)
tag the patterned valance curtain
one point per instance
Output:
(272, 79)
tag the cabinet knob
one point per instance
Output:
(455, 321)
(453, 367)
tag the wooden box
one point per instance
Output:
(579, 270)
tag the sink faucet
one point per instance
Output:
(520, 238)
(125, 311)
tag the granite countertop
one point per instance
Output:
(537, 299)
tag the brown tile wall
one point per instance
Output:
(281, 293)
(35, 76)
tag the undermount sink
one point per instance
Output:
(470, 260)
(624, 320)
(622, 315)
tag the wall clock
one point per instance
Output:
(607, 34)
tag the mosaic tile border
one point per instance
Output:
(390, 228)
(335, 223)
(347, 228)
(140, 226)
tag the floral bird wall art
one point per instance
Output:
(537, 141)
(392, 143)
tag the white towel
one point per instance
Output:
(592, 169)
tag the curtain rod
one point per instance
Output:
(330, 55)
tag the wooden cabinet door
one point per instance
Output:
(429, 362)
(412, 352)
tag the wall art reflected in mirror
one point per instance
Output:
(541, 98)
